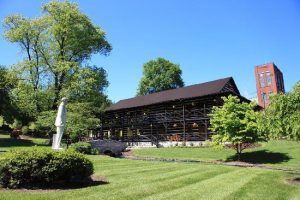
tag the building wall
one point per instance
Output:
(180, 120)
(269, 80)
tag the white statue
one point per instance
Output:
(60, 124)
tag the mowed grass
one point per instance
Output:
(7, 143)
(131, 179)
(275, 153)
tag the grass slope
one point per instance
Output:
(132, 179)
(275, 153)
(129, 179)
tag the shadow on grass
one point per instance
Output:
(9, 142)
(90, 182)
(261, 157)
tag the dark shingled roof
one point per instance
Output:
(193, 91)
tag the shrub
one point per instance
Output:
(41, 167)
(16, 124)
(183, 144)
(32, 127)
(25, 130)
(206, 143)
(84, 147)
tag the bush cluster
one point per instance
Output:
(41, 167)
(84, 147)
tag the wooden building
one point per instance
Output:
(172, 115)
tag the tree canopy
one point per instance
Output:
(282, 117)
(235, 122)
(6, 108)
(57, 47)
(159, 75)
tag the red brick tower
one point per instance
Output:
(269, 80)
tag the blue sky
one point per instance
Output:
(210, 39)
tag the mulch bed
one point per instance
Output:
(93, 181)
(295, 181)
(128, 152)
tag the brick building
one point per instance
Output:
(269, 80)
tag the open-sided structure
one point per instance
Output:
(172, 115)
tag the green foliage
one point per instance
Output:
(87, 85)
(159, 75)
(80, 117)
(84, 147)
(38, 167)
(7, 109)
(32, 126)
(30, 102)
(45, 122)
(282, 116)
(56, 46)
(16, 125)
(25, 130)
(236, 123)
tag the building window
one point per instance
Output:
(262, 79)
(269, 80)
(264, 98)
(279, 86)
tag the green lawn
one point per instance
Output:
(7, 143)
(275, 153)
(133, 179)
(129, 179)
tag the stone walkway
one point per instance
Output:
(236, 163)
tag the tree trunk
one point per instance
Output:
(238, 151)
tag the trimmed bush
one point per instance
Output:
(84, 147)
(41, 167)
(25, 130)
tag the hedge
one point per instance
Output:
(84, 147)
(41, 167)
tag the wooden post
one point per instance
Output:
(165, 123)
(135, 127)
(122, 138)
(151, 134)
(183, 117)
(205, 115)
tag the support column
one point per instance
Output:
(205, 123)
(123, 116)
(166, 123)
(183, 117)
(151, 133)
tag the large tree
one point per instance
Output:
(6, 108)
(55, 45)
(236, 123)
(282, 116)
(159, 75)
